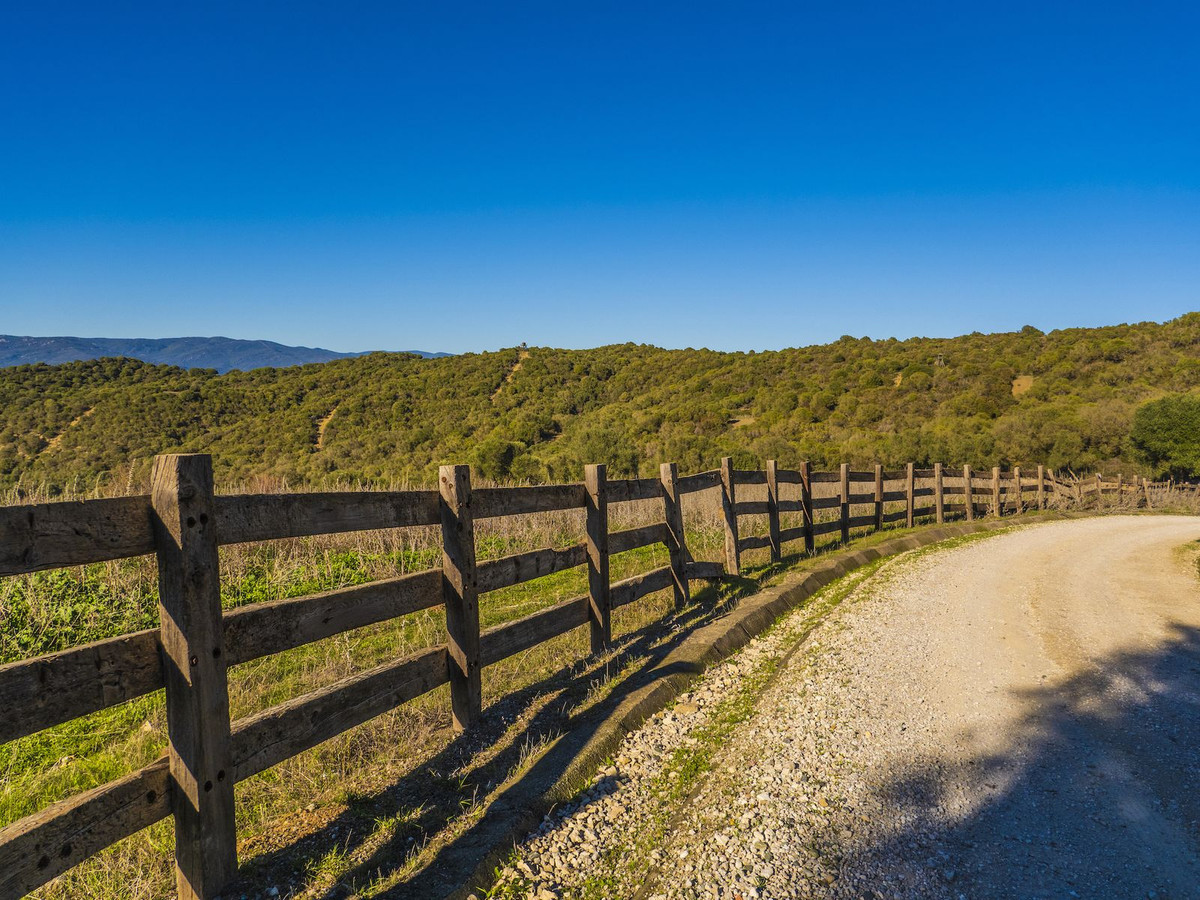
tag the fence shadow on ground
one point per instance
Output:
(1097, 793)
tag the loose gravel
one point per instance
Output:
(952, 723)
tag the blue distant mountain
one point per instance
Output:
(220, 353)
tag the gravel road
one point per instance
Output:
(1015, 716)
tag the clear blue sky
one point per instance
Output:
(453, 176)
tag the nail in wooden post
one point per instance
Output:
(773, 509)
(806, 508)
(676, 541)
(599, 599)
(1041, 487)
(461, 595)
(844, 507)
(997, 509)
(197, 692)
(968, 493)
(733, 556)
(878, 496)
(1019, 505)
(909, 498)
(939, 499)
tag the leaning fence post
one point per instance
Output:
(997, 509)
(676, 542)
(939, 500)
(968, 492)
(461, 595)
(599, 599)
(909, 499)
(194, 674)
(728, 499)
(844, 505)
(806, 507)
(878, 496)
(773, 510)
(1041, 487)
(1017, 499)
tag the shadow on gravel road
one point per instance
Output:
(1097, 796)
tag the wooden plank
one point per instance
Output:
(819, 503)
(461, 592)
(47, 690)
(862, 477)
(773, 509)
(996, 508)
(751, 508)
(844, 505)
(754, 542)
(729, 513)
(878, 498)
(787, 535)
(860, 499)
(701, 481)
(909, 476)
(630, 589)
(525, 633)
(42, 846)
(676, 540)
(495, 574)
(895, 474)
(791, 506)
(955, 489)
(899, 515)
(922, 512)
(824, 477)
(829, 527)
(52, 535)
(1016, 490)
(790, 476)
(281, 732)
(489, 503)
(939, 493)
(192, 636)
(968, 492)
(265, 628)
(632, 538)
(865, 521)
(263, 517)
(750, 476)
(806, 501)
(923, 491)
(705, 570)
(925, 473)
(893, 496)
(595, 479)
(630, 489)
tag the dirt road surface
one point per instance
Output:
(1016, 717)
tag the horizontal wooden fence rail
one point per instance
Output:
(183, 523)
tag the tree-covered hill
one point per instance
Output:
(1066, 398)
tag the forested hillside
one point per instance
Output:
(1066, 398)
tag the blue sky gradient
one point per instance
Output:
(469, 176)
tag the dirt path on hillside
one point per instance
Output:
(1016, 717)
(511, 374)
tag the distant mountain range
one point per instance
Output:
(220, 353)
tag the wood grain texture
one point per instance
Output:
(939, 494)
(909, 493)
(192, 637)
(729, 514)
(489, 503)
(631, 489)
(806, 501)
(513, 637)
(630, 589)
(751, 476)
(494, 574)
(968, 492)
(52, 535)
(751, 508)
(878, 497)
(460, 591)
(676, 539)
(263, 517)
(595, 478)
(701, 481)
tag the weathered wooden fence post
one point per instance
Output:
(728, 498)
(773, 510)
(997, 509)
(461, 594)
(1019, 506)
(909, 499)
(968, 493)
(1119, 487)
(1041, 487)
(676, 541)
(939, 498)
(1099, 487)
(197, 691)
(806, 507)
(599, 599)
(878, 496)
(844, 505)
(1146, 491)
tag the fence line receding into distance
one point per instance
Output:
(183, 522)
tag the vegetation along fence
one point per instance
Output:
(183, 522)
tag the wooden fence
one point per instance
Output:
(183, 522)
